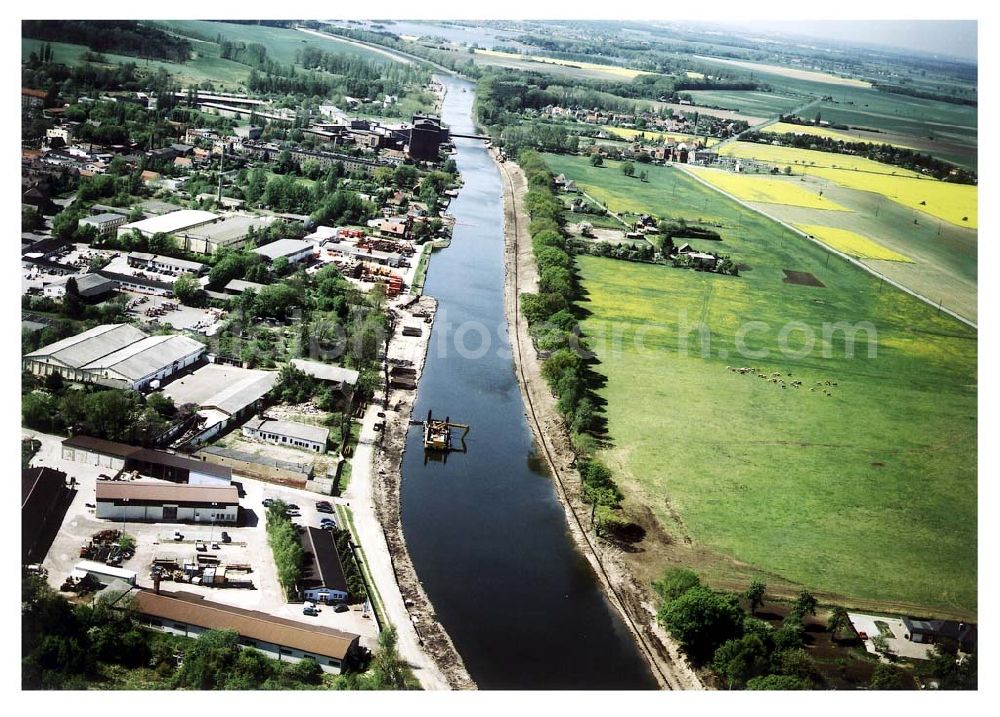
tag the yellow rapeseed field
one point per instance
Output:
(852, 244)
(954, 203)
(765, 188)
(593, 66)
(814, 131)
(809, 158)
(656, 136)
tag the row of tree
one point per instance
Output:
(555, 329)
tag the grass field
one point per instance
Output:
(281, 43)
(852, 244)
(205, 66)
(758, 104)
(790, 72)
(655, 136)
(869, 492)
(665, 188)
(593, 67)
(767, 188)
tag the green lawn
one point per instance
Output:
(869, 492)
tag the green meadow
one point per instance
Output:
(864, 489)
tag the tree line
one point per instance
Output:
(123, 37)
(554, 328)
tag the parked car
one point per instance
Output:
(292, 506)
(225, 537)
(311, 611)
(324, 507)
(267, 502)
(342, 607)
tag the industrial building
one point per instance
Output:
(426, 137)
(169, 223)
(89, 286)
(105, 224)
(294, 250)
(238, 286)
(164, 264)
(149, 462)
(228, 233)
(44, 498)
(287, 433)
(343, 379)
(225, 396)
(323, 578)
(115, 355)
(145, 501)
(182, 613)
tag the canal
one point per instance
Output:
(485, 530)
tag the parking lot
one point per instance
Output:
(248, 544)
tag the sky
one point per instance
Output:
(956, 38)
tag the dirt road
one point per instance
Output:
(626, 594)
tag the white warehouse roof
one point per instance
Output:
(171, 222)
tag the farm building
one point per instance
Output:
(190, 615)
(105, 574)
(230, 232)
(167, 502)
(148, 462)
(294, 250)
(323, 578)
(115, 355)
(169, 223)
(43, 502)
(287, 433)
(225, 395)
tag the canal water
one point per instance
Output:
(485, 530)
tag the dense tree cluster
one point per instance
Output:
(114, 414)
(743, 651)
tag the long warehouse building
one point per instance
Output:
(115, 355)
(168, 502)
